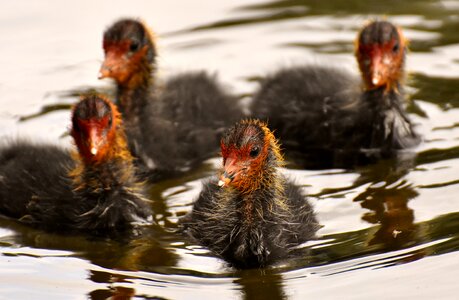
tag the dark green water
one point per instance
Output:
(390, 230)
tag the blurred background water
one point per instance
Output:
(390, 230)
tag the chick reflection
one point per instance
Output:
(389, 208)
(116, 293)
(387, 199)
(261, 284)
(145, 252)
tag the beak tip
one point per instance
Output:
(93, 150)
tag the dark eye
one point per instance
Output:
(396, 48)
(254, 152)
(110, 121)
(134, 47)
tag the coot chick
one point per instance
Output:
(254, 216)
(325, 119)
(93, 190)
(171, 126)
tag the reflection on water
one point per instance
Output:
(393, 219)
(446, 97)
(390, 210)
(117, 293)
(274, 11)
(387, 201)
(133, 254)
(261, 284)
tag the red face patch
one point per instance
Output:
(92, 137)
(380, 64)
(120, 64)
(241, 166)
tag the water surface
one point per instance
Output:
(390, 230)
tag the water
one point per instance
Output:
(390, 230)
